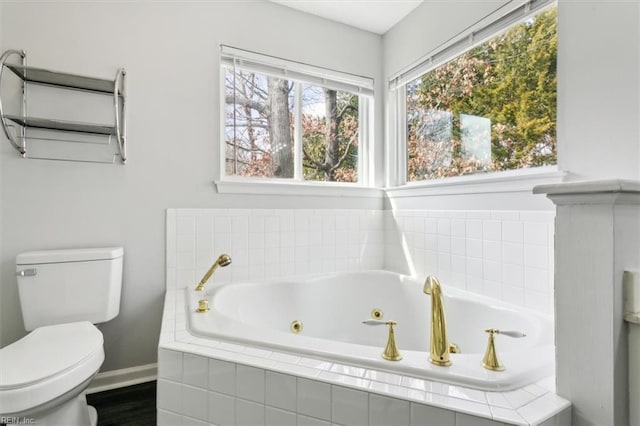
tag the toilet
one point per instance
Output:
(63, 293)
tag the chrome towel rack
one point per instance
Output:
(22, 122)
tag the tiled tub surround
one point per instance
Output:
(210, 382)
(332, 307)
(505, 255)
(205, 381)
(270, 243)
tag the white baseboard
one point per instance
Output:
(124, 377)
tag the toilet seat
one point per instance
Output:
(47, 363)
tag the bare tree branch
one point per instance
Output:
(346, 152)
(258, 106)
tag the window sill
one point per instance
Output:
(523, 180)
(296, 189)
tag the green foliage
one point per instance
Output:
(510, 80)
(315, 142)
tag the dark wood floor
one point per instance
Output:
(132, 405)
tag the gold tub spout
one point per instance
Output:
(439, 347)
(222, 260)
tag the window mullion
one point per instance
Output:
(297, 132)
(402, 150)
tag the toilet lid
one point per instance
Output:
(47, 351)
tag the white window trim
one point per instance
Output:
(520, 180)
(261, 186)
(301, 73)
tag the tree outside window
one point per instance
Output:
(261, 114)
(492, 108)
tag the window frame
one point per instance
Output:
(299, 74)
(524, 179)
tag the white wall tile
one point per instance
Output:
(170, 365)
(490, 254)
(491, 250)
(458, 228)
(458, 246)
(169, 396)
(222, 223)
(167, 418)
(444, 227)
(189, 421)
(250, 383)
(426, 415)
(195, 402)
(276, 417)
(222, 409)
(467, 420)
(514, 295)
(430, 226)
(474, 267)
(281, 390)
(492, 230)
(222, 376)
(512, 253)
(186, 225)
(512, 231)
(310, 421)
(474, 228)
(537, 280)
(536, 233)
(249, 413)
(264, 244)
(474, 248)
(195, 370)
(349, 406)
(492, 271)
(314, 399)
(385, 411)
(513, 275)
(536, 256)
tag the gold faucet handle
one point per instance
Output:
(391, 352)
(490, 360)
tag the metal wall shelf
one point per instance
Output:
(62, 80)
(61, 125)
(54, 78)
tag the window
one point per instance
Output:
(488, 108)
(289, 121)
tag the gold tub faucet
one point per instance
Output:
(439, 348)
(222, 260)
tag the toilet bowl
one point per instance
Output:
(43, 375)
(48, 363)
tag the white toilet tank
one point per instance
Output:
(62, 286)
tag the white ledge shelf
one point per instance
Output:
(509, 181)
(296, 188)
(609, 191)
(589, 187)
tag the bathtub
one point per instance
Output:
(332, 307)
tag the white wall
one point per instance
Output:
(598, 89)
(170, 52)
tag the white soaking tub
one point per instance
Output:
(332, 307)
